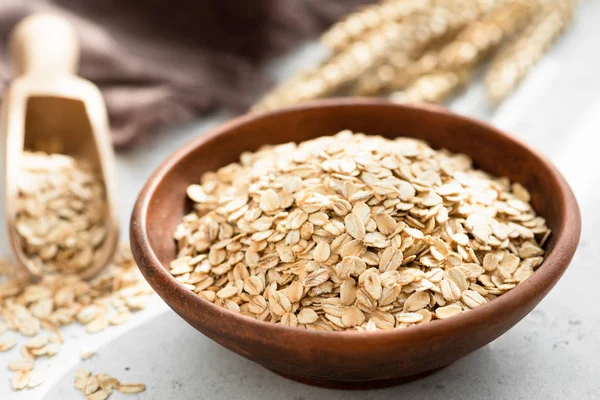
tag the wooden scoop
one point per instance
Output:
(46, 106)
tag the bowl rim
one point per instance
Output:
(537, 286)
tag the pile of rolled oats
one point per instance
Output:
(36, 312)
(356, 232)
(61, 210)
(101, 386)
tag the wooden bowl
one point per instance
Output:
(352, 358)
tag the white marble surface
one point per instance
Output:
(554, 353)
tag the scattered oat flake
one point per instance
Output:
(131, 387)
(91, 385)
(100, 386)
(98, 324)
(58, 300)
(120, 318)
(20, 380)
(24, 364)
(7, 344)
(86, 355)
(37, 342)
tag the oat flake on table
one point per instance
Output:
(37, 312)
(101, 386)
(356, 232)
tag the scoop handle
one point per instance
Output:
(44, 44)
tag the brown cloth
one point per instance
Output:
(161, 61)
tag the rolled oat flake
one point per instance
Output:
(356, 232)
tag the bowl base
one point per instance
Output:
(364, 385)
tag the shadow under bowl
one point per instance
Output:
(355, 358)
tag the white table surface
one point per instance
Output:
(554, 353)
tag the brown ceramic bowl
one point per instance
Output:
(351, 357)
